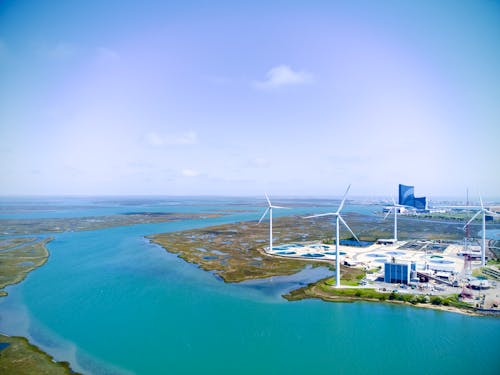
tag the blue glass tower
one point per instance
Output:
(407, 198)
(406, 195)
(420, 203)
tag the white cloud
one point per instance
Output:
(187, 138)
(283, 75)
(190, 173)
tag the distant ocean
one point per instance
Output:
(110, 302)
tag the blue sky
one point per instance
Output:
(218, 98)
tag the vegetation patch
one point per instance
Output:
(19, 257)
(231, 250)
(77, 224)
(325, 290)
(18, 356)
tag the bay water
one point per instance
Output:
(111, 302)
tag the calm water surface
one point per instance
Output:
(111, 302)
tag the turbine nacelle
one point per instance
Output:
(270, 207)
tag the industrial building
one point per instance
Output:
(398, 272)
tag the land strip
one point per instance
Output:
(232, 251)
(11, 227)
(18, 257)
(323, 290)
(18, 356)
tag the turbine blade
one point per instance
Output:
(481, 200)
(288, 208)
(388, 212)
(347, 226)
(343, 199)
(319, 215)
(473, 217)
(267, 198)
(264, 215)
(393, 201)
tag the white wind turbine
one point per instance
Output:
(337, 239)
(270, 210)
(394, 208)
(483, 211)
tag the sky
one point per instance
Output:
(220, 98)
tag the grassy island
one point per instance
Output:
(233, 251)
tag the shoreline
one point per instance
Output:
(312, 291)
(18, 353)
(353, 299)
(18, 272)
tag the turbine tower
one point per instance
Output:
(394, 207)
(270, 210)
(337, 239)
(483, 211)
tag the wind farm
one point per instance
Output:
(430, 266)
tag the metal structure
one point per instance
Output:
(270, 210)
(394, 208)
(339, 219)
(482, 211)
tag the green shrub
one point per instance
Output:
(422, 299)
(435, 300)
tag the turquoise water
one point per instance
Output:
(111, 302)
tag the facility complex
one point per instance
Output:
(390, 262)
(425, 265)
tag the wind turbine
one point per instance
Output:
(395, 208)
(483, 211)
(337, 239)
(270, 210)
